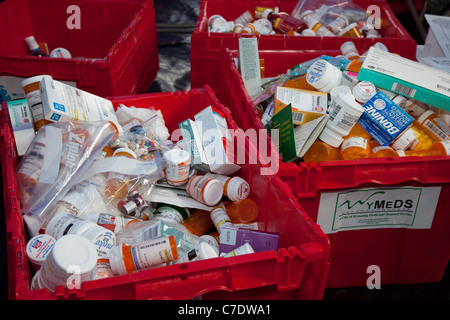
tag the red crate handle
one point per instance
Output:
(341, 174)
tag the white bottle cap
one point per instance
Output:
(39, 247)
(177, 156)
(333, 81)
(60, 53)
(320, 74)
(211, 241)
(424, 115)
(238, 189)
(381, 46)
(363, 91)
(405, 140)
(116, 261)
(213, 192)
(345, 90)
(308, 33)
(220, 24)
(74, 250)
(32, 80)
(32, 43)
(125, 150)
(330, 137)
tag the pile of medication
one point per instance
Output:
(264, 20)
(108, 198)
(364, 121)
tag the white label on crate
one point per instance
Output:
(375, 208)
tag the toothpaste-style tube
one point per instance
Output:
(383, 119)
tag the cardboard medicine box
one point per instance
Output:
(62, 102)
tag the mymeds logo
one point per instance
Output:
(376, 208)
(378, 204)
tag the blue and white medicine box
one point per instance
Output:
(383, 119)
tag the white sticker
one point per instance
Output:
(373, 208)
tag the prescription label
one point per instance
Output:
(374, 208)
(383, 119)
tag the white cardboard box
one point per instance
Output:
(62, 102)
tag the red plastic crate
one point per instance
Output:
(297, 271)
(403, 255)
(207, 48)
(121, 34)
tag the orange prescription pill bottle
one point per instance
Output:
(198, 223)
(117, 183)
(357, 144)
(379, 151)
(299, 83)
(33, 94)
(234, 188)
(321, 151)
(430, 119)
(440, 148)
(156, 251)
(424, 136)
(244, 211)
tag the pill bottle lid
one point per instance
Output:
(308, 33)
(381, 46)
(116, 260)
(39, 247)
(213, 192)
(363, 91)
(220, 23)
(60, 53)
(320, 73)
(331, 138)
(405, 140)
(333, 81)
(425, 115)
(177, 156)
(32, 80)
(211, 241)
(125, 152)
(340, 89)
(74, 250)
(32, 43)
(238, 189)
